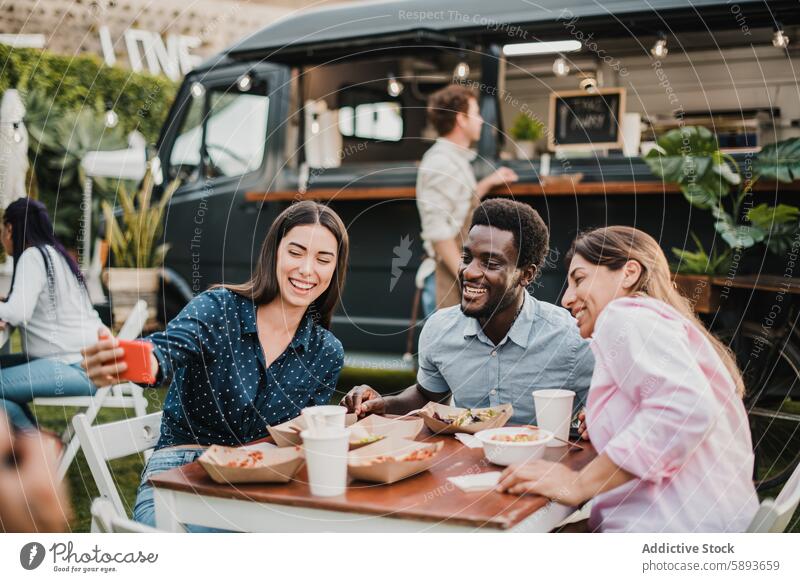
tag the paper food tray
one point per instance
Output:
(384, 427)
(504, 412)
(278, 465)
(390, 471)
(285, 434)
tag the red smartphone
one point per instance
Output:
(138, 358)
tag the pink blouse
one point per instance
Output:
(663, 407)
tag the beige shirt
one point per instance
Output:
(446, 188)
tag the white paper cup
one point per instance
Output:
(331, 416)
(554, 412)
(326, 459)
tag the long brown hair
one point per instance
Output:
(614, 246)
(263, 285)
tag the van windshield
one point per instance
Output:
(234, 138)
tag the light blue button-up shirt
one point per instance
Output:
(543, 349)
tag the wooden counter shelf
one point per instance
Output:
(607, 188)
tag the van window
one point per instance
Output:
(229, 140)
(380, 121)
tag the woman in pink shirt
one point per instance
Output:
(664, 410)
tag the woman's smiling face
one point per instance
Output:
(591, 287)
(306, 263)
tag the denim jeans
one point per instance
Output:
(22, 382)
(429, 296)
(144, 511)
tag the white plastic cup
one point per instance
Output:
(554, 412)
(328, 415)
(326, 459)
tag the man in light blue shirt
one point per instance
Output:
(501, 343)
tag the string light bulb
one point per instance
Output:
(394, 87)
(198, 90)
(461, 71)
(244, 83)
(560, 67)
(779, 39)
(660, 49)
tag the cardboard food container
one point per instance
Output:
(384, 428)
(277, 465)
(288, 433)
(504, 412)
(361, 463)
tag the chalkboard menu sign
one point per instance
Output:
(586, 121)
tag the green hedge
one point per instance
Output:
(142, 101)
(66, 97)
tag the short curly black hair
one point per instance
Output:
(530, 232)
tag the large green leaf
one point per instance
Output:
(739, 236)
(690, 157)
(779, 161)
(779, 223)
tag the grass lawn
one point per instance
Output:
(126, 471)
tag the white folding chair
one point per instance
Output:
(106, 520)
(773, 515)
(106, 442)
(127, 395)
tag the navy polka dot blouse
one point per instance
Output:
(221, 391)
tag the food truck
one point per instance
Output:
(330, 105)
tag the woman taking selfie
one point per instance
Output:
(664, 409)
(50, 305)
(242, 357)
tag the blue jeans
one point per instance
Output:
(21, 383)
(429, 295)
(144, 511)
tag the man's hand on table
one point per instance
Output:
(364, 400)
(552, 480)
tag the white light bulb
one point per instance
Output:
(245, 82)
(394, 87)
(198, 90)
(780, 40)
(660, 49)
(111, 118)
(560, 67)
(461, 70)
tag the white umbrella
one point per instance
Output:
(13, 148)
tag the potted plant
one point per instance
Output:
(136, 257)
(525, 132)
(711, 180)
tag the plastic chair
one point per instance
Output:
(773, 515)
(106, 442)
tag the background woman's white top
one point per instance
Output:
(57, 328)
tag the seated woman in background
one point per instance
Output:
(50, 305)
(242, 357)
(664, 409)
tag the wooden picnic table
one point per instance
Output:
(423, 503)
